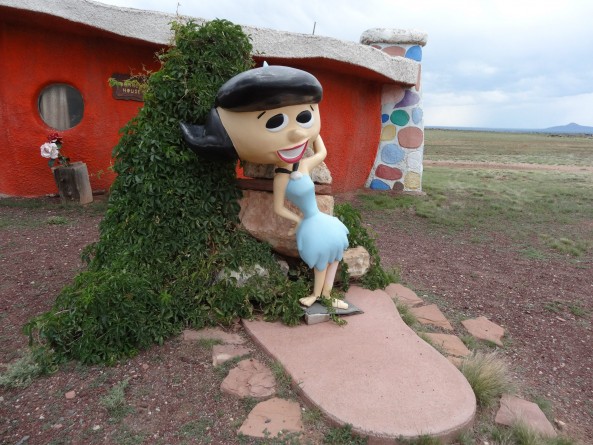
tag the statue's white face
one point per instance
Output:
(279, 136)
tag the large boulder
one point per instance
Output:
(259, 219)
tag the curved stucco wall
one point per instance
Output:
(61, 57)
(121, 40)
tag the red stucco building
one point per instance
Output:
(57, 57)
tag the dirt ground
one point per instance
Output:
(172, 392)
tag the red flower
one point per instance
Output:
(55, 138)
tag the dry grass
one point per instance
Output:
(488, 375)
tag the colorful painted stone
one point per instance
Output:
(399, 162)
(410, 137)
(392, 94)
(400, 117)
(414, 53)
(388, 133)
(412, 181)
(392, 154)
(394, 51)
(414, 160)
(389, 173)
(410, 98)
(377, 184)
(417, 115)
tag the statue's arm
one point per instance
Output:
(280, 183)
(319, 154)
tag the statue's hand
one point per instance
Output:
(292, 231)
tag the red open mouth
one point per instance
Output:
(294, 154)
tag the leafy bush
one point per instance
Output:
(376, 277)
(171, 224)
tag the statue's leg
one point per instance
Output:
(317, 287)
(330, 276)
(328, 285)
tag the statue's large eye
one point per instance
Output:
(277, 122)
(305, 119)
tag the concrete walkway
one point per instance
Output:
(375, 373)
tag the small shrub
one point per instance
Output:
(488, 376)
(115, 401)
(21, 373)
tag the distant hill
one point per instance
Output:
(570, 128)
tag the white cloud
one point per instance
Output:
(487, 63)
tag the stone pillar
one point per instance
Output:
(398, 165)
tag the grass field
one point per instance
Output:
(479, 146)
(534, 208)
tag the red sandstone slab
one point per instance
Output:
(513, 410)
(374, 373)
(451, 344)
(484, 329)
(432, 315)
(273, 417)
(403, 295)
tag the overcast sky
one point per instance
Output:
(487, 63)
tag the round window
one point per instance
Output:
(61, 106)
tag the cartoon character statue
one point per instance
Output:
(270, 115)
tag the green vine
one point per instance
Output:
(376, 277)
(169, 238)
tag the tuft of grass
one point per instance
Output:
(567, 246)
(197, 429)
(406, 314)
(465, 438)
(470, 341)
(488, 375)
(387, 201)
(115, 401)
(343, 436)
(209, 343)
(283, 380)
(521, 434)
(532, 253)
(125, 436)
(422, 440)
(555, 306)
(577, 310)
(23, 203)
(313, 417)
(21, 373)
(545, 405)
(57, 220)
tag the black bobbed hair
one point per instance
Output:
(267, 88)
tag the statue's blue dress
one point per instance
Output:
(321, 238)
